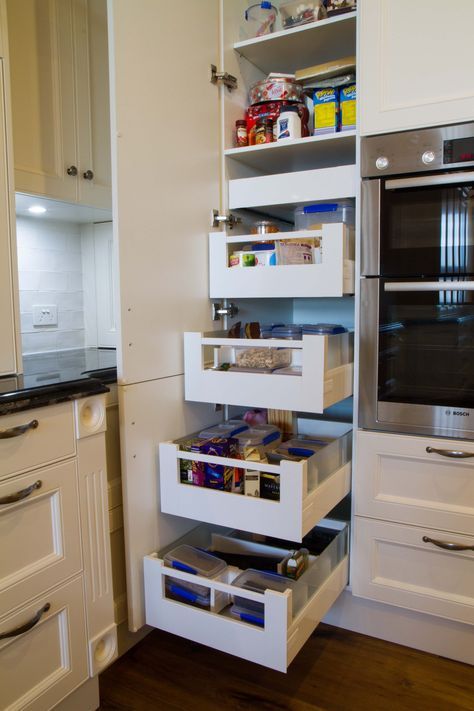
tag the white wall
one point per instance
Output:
(50, 272)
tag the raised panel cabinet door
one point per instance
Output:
(413, 66)
(93, 104)
(7, 317)
(41, 36)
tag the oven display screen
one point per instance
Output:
(459, 150)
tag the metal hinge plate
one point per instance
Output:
(219, 310)
(229, 220)
(223, 77)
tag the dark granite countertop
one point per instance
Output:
(49, 378)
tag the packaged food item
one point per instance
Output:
(313, 216)
(241, 136)
(265, 254)
(271, 110)
(252, 329)
(192, 560)
(186, 465)
(289, 124)
(256, 358)
(260, 19)
(269, 486)
(298, 12)
(263, 131)
(328, 70)
(219, 476)
(242, 258)
(294, 252)
(264, 227)
(255, 417)
(326, 110)
(251, 483)
(276, 87)
(338, 7)
(347, 105)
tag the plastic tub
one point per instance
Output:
(290, 331)
(323, 329)
(311, 216)
(259, 581)
(260, 19)
(262, 359)
(261, 437)
(197, 562)
(298, 12)
(225, 429)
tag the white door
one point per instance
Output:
(414, 67)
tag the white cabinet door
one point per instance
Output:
(7, 317)
(165, 142)
(413, 64)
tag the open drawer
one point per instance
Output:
(334, 276)
(309, 488)
(321, 365)
(289, 617)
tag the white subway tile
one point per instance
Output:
(71, 339)
(52, 281)
(74, 281)
(28, 281)
(39, 342)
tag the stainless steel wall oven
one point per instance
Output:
(417, 287)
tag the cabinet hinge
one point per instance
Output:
(219, 310)
(229, 220)
(227, 79)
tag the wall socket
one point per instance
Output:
(45, 315)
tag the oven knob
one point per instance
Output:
(428, 157)
(382, 162)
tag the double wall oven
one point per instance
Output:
(417, 286)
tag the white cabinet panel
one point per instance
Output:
(397, 566)
(412, 64)
(399, 480)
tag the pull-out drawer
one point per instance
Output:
(43, 663)
(324, 367)
(289, 617)
(309, 488)
(405, 566)
(37, 437)
(40, 542)
(415, 480)
(334, 276)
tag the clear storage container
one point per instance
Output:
(192, 560)
(311, 216)
(299, 12)
(262, 359)
(260, 19)
(261, 437)
(224, 429)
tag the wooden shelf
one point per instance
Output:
(298, 154)
(300, 47)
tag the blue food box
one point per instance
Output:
(219, 476)
(326, 110)
(347, 104)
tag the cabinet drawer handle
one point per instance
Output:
(19, 430)
(28, 625)
(447, 545)
(88, 175)
(19, 495)
(453, 453)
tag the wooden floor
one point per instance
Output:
(336, 670)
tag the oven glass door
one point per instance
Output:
(426, 225)
(426, 342)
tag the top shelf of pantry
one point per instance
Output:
(314, 43)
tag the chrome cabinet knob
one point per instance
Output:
(382, 163)
(88, 175)
(72, 170)
(428, 157)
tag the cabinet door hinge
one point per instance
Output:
(227, 79)
(229, 220)
(219, 310)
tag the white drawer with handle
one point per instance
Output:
(33, 438)
(40, 543)
(416, 480)
(416, 568)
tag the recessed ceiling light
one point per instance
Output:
(37, 209)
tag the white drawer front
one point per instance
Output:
(397, 479)
(40, 534)
(392, 564)
(289, 621)
(51, 440)
(39, 667)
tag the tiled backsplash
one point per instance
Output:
(50, 272)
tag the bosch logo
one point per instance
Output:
(457, 413)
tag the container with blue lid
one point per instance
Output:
(323, 329)
(322, 213)
(197, 562)
(289, 330)
(259, 581)
(231, 428)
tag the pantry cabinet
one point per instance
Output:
(60, 99)
(413, 67)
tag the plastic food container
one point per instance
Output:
(260, 437)
(296, 12)
(255, 358)
(275, 88)
(260, 19)
(337, 7)
(323, 213)
(323, 329)
(290, 331)
(259, 581)
(197, 562)
(225, 429)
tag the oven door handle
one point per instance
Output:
(429, 286)
(421, 181)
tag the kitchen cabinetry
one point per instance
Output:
(60, 104)
(414, 519)
(55, 585)
(156, 310)
(9, 356)
(413, 71)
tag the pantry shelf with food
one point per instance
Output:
(271, 617)
(306, 375)
(328, 271)
(288, 489)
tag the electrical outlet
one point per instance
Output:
(45, 315)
